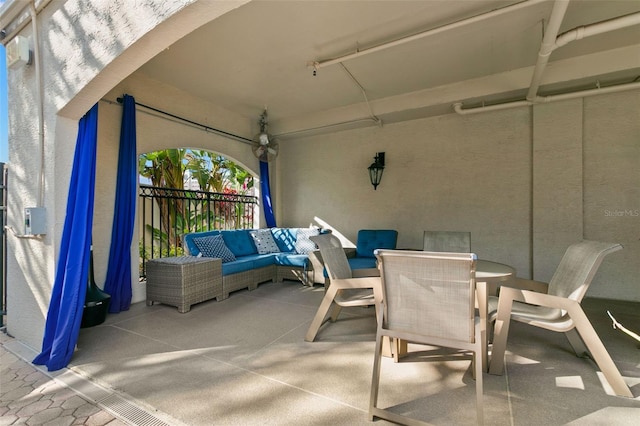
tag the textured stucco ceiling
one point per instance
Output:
(257, 56)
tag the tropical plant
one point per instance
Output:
(213, 173)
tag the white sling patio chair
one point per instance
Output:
(428, 298)
(343, 290)
(556, 306)
(447, 241)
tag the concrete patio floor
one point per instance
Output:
(243, 361)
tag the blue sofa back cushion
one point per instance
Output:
(371, 239)
(214, 246)
(285, 238)
(239, 242)
(190, 243)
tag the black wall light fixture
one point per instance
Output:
(376, 169)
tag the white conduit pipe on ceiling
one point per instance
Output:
(589, 92)
(548, 43)
(458, 107)
(598, 28)
(561, 40)
(546, 99)
(474, 19)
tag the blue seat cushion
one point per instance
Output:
(362, 262)
(262, 260)
(241, 265)
(292, 259)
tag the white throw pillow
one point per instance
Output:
(264, 241)
(303, 244)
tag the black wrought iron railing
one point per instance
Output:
(166, 215)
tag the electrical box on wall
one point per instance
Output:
(35, 221)
(18, 52)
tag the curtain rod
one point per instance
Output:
(194, 123)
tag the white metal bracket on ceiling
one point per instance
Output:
(364, 94)
(552, 41)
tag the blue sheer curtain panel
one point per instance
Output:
(118, 281)
(265, 191)
(72, 272)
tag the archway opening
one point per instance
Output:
(184, 190)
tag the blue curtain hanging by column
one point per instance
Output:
(118, 281)
(265, 191)
(72, 272)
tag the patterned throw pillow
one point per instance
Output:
(303, 244)
(264, 241)
(213, 246)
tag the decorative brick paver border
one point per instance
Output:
(28, 396)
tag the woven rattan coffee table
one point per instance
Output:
(183, 281)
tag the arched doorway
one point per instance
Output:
(187, 190)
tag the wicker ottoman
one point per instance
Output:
(183, 281)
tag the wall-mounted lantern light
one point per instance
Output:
(376, 169)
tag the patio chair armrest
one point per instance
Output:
(510, 294)
(364, 273)
(350, 251)
(526, 284)
(363, 282)
(374, 283)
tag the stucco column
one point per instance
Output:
(557, 183)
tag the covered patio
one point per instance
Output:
(244, 361)
(526, 180)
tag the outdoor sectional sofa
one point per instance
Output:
(252, 256)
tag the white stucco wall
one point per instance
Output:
(442, 173)
(88, 47)
(525, 182)
(612, 189)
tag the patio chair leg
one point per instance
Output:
(375, 379)
(599, 352)
(478, 370)
(500, 334)
(577, 344)
(335, 312)
(318, 319)
(481, 294)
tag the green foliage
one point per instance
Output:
(213, 173)
(146, 253)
